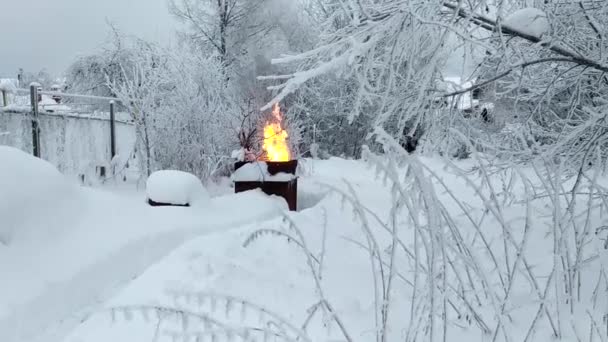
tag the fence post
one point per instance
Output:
(4, 98)
(20, 78)
(112, 130)
(35, 123)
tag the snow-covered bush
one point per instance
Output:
(196, 127)
(184, 112)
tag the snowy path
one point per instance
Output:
(52, 278)
(270, 272)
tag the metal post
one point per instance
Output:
(4, 98)
(35, 123)
(20, 78)
(112, 130)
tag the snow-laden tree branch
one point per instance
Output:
(536, 70)
(493, 25)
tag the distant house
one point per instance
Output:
(471, 103)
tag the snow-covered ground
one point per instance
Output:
(109, 268)
(67, 247)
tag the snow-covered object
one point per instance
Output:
(176, 187)
(531, 21)
(7, 85)
(47, 101)
(15, 108)
(243, 155)
(239, 154)
(48, 104)
(258, 172)
(464, 100)
(30, 189)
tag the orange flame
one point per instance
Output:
(275, 138)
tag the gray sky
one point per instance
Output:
(50, 34)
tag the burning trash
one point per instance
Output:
(275, 138)
(275, 173)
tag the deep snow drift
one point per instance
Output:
(67, 248)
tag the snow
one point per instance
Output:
(176, 187)
(63, 288)
(258, 172)
(8, 85)
(47, 103)
(15, 108)
(33, 192)
(239, 154)
(464, 100)
(72, 247)
(269, 272)
(274, 273)
(531, 21)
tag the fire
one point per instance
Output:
(275, 138)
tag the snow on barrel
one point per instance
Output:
(177, 188)
(258, 172)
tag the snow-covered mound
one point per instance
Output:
(531, 21)
(31, 190)
(74, 246)
(176, 187)
(258, 172)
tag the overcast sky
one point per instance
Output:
(50, 34)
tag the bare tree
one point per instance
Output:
(223, 25)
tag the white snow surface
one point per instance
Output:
(239, 154)
(176, 187)
(465, 100)
(140, 258)
(70, 248)
(258, 172)
(531, 21)
(35, 199)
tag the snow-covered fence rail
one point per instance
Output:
(79, 142)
